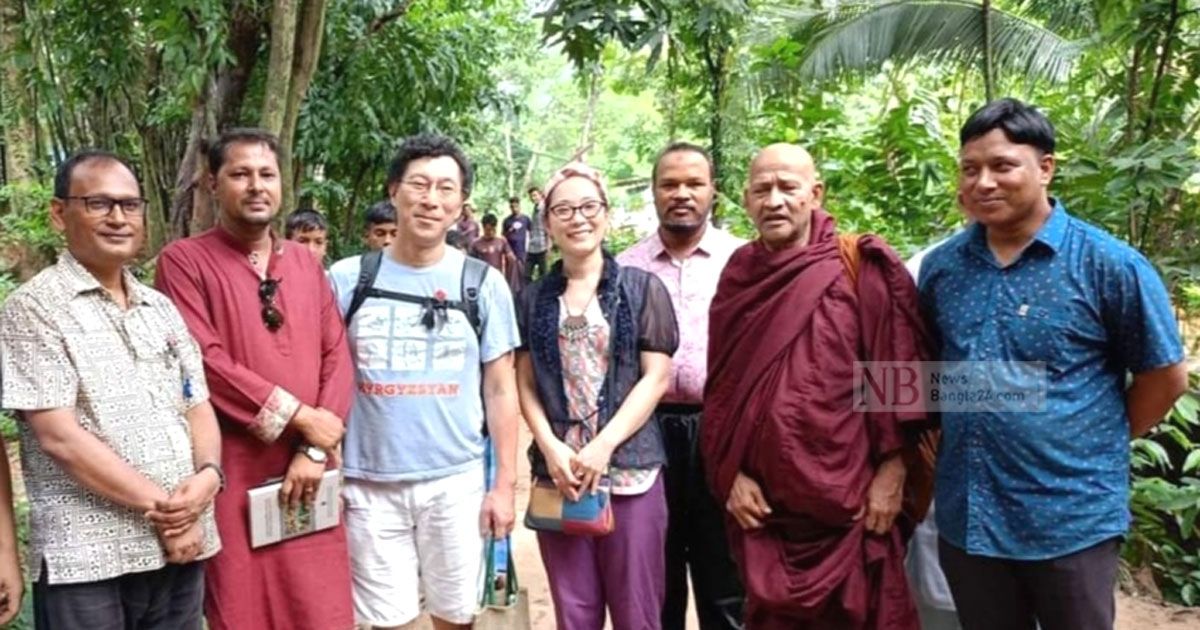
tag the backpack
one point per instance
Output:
(473, 273)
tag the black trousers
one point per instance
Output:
(170, 598)
(695, 532)
(534, 260)
(1072, 592)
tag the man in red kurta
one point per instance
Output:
(281, 380)
(812, 487)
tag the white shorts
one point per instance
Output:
(403, 535)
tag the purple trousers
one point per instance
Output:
(624, 571)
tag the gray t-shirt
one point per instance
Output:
(418, 409)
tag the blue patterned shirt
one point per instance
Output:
(1038, 485)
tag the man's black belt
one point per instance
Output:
(679, 409)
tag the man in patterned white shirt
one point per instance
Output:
(120, 447)
(688, 254)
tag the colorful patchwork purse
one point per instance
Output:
(550, 511)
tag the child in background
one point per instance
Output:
(380, 229)
(309, 228)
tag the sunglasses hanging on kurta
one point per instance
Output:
(271, 316)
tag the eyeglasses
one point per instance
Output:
(271, 316)
(103, 206)
(566, 212)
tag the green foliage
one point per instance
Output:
(860, 36)
(1165, 502)
(434, 69)
(27, 239)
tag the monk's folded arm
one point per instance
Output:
(639, 404)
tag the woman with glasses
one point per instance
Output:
(598, 340)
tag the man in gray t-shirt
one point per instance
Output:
(416, 506)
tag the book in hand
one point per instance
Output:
(272, 522)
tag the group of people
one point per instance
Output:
(703, 385)
(519, 255)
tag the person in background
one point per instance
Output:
(596, 357)
(467, 226)
(310, 229)
(380, 228)
(688, 254)
(491, 248)
(282, 381)
(11, 584)
(516, 228)
(539, 243)
(1032, 503)
(120, 448)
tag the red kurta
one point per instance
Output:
(302, 584)
(785, 330)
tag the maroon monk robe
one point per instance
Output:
(785, 331)
(304, 583)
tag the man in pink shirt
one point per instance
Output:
(688, 254)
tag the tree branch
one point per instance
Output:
(1163, 62)
(391, 16)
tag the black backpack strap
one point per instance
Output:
(473, 273)
(368, 268)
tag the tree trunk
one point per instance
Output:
(585, 136)
(279, 68)
(716, 65)
(17, 117)
(307, 54)
(215, 110)
(989, 77)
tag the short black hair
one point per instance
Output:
(66, 170)
(488, 219)
(427, 145)
(533, 189)
(239, 135)
(1021, 123)
(516, 200)
(684, 147)
(380, 213)
(304, 220)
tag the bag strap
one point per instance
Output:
(473, 273)
(471, 282)
(851, 257)
(511, 587)
(368, 268)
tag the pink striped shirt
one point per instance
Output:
(692, 282)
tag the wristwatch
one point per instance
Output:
(317, 455)
(217, 469)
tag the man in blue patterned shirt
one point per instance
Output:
(1032, 504)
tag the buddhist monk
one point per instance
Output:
(812, 486)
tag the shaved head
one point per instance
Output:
(783, 190)
(781, 153)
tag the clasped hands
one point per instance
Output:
(176, 519)
(748, 504)
(574, 473)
